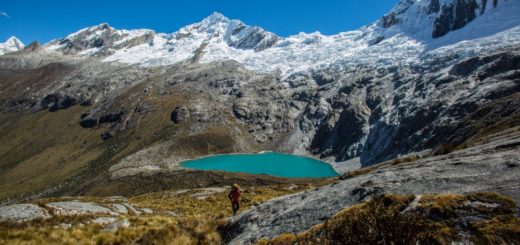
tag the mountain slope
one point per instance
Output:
(353, 99)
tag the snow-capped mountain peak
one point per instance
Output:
(101, 39)
(212, 20)
(11, 45)
(236, 34)
(14, 42)
(412, 30)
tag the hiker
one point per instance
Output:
(234, 197)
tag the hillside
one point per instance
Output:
(424, 101)
(101, 112)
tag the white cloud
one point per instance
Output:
(4, 14)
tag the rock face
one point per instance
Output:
(455, 16)
(491, 167)
(447, 16)
(22, 213)
(55, 102)
(379, 115)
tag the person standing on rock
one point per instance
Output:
(234, 197)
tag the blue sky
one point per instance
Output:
(46, 20)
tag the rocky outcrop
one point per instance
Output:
(179, 115)
(87, 122)
(34, 46)
(90, 121)
(446, 16)
(108, 214)
(54, 102)
(389, 20)
(396, 219)
(22, 213)
(254, 38)
(454, 16)
(110, 117)
(78, 208)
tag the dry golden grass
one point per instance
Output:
(193, 204)
(195, 222)
(34, 153)
(285, 239)
(502, 229)
(445, 205)
(144, 230)
(406, 159)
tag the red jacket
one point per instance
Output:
(234, 195)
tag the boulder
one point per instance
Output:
(106, 135)
(78, 208)
(119, 208)
(114, 226)
(241, 112)
(22, 213)
(110, 117)
(54, 102)
(88, 122)
(179, 115)
(103, 220)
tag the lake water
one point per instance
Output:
(276, 164)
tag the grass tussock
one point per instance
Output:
(401, 160)
(359, 172)
(487, 218)
(503, 229)
(444, 149)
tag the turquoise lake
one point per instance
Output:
(275, 164)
